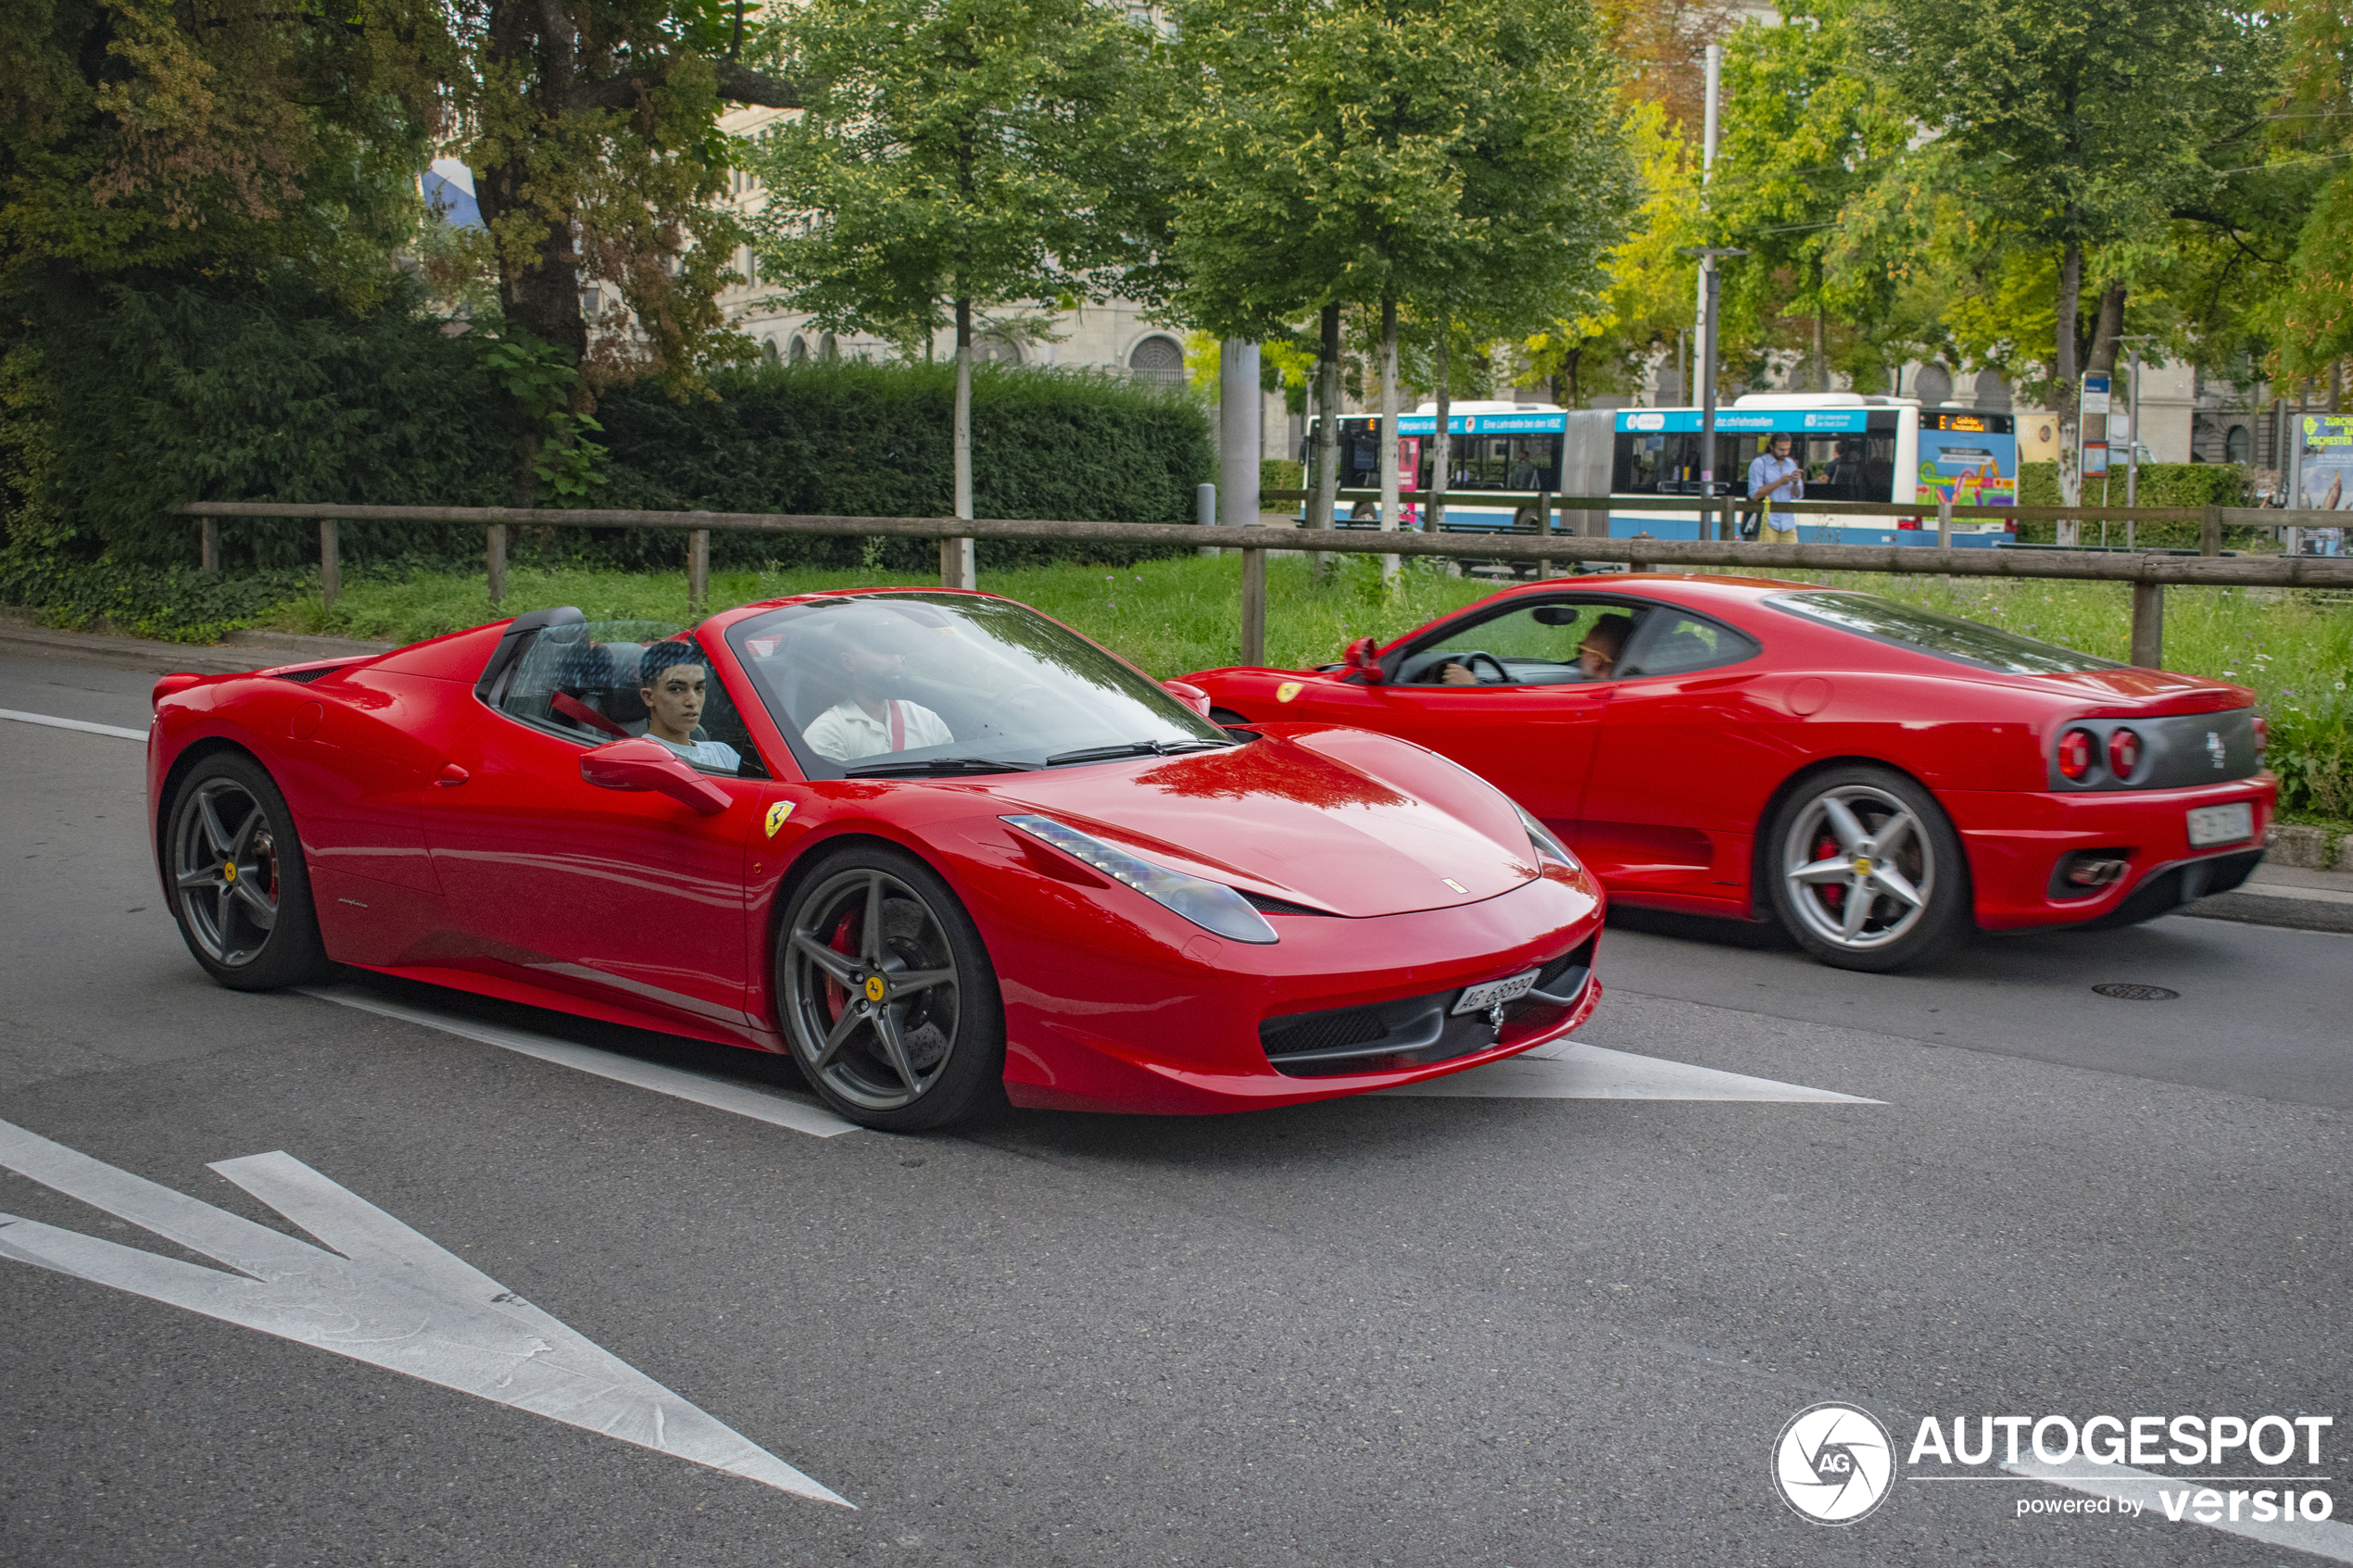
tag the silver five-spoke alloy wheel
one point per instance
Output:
(1860, 872)
(873, 993)
(225, 872)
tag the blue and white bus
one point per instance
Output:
(1508, 460)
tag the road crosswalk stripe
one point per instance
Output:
(1578, 1071)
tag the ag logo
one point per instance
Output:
(1832, 1463)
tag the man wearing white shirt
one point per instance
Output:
(1774, 472)
(872, 722)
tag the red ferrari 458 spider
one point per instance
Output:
(942, 849)
(1879, 778)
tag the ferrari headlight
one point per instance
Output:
(1541, 838)
(1212, 905)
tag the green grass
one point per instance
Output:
(2294, 647)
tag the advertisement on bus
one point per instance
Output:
(1967, 459)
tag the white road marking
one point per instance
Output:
(2320, 1537)
(775, 1109)
(387, 1296)
(1577, 1071)
(83, 724)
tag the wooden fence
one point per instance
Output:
(2149, 572)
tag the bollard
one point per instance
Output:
(698, 571)
(1205, 512)
(1945, 522)
(329, 564)
(2148, 625)
(1253, 649)
(495, 560)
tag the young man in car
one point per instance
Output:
(672, 681)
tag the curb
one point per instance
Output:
(2281, 908)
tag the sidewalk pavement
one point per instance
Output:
(2283, 896)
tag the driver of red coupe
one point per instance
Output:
(869, 721)
(1597, 654)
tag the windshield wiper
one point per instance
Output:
(938, 765)
(1136, 749)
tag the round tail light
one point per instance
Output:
(2123, 753)
(2076, 749)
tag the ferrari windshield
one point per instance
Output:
(1947, 636)
(917, 685)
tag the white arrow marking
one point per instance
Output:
(391, 1299)
(1577, 1071)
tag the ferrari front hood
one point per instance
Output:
(1340, 821)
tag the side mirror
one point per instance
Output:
(1191, 696)
(640, 763)
(1362, 661)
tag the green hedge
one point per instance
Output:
(851, 439)
(2162, 484)
(170, 390)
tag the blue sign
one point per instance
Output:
(1746, 421)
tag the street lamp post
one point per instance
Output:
(1708, 283)
(2132, 440)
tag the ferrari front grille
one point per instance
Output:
(1412, 1032)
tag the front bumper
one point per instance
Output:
(2016, 840)
(1188, 1039)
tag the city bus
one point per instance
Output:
(1853, 448)
(1508, 460)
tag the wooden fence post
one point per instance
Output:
(330, 563)
(1254, 606)
(497, 561)
(208, 547)
(957, 567)
(698, 571)
(2210, 533)
(2148, 625)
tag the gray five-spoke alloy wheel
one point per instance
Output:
(886, 996)
(225, 872)
(1867, 871)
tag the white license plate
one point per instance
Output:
(2220, 824)
(1478, 999)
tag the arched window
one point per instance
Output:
(827, 349)
(1932, 386)
(2237, 445)
(1992, 392)
(768, 350)
(798, 354)
(995, 348)
(1157, 358)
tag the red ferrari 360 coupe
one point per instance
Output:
(943, 849)
(1881, 779)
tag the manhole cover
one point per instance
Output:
(2124, 992)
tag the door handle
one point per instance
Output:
(451, 776)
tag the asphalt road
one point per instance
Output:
(1497, 1331)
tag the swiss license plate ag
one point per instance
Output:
(1478, 999)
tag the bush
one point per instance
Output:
(851, 439)
(1281, 474)
(164, 390)
(2162, 484)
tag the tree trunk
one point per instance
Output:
(1319, 514)
(956, 565)
(1821, 368)
(2067, 383)
(540, 293)
(1442, 454)
(1389, 443)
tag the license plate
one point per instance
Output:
(1478, 999)
(2220, 824)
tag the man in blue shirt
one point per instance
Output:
(1773, 471)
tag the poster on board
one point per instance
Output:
(2323, 476)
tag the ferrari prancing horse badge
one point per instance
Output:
(776, 815)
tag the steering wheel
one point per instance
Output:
(1472, 661)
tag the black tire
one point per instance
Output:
(240, 888)
(885, 995)
(1913, 897)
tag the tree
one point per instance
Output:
(1809, 133)
(590, 128)
(2071, 129)
(1458, 161)
(952, 157)
(2311, 312)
